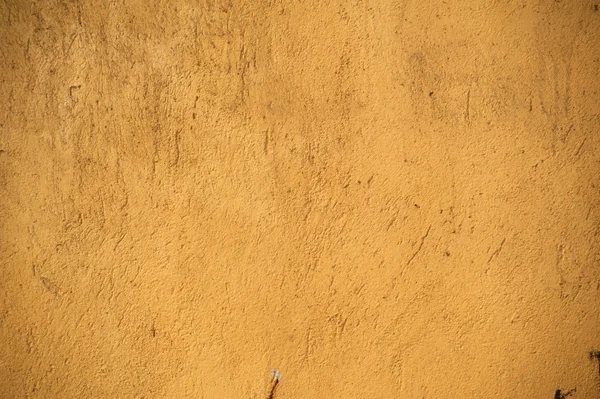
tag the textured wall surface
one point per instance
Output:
(382, 199)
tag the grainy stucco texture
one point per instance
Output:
(381, 199)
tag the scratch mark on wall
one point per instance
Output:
(467, 111)
(50, 286)
(580, 147)
(266, 143)
(420, 246)
(497, 251)
(307, 349)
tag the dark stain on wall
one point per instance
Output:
(559, 395)
(596, 355)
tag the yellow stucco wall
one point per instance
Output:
(381, 199)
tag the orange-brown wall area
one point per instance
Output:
(380, 199)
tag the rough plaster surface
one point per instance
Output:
(381, 199)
